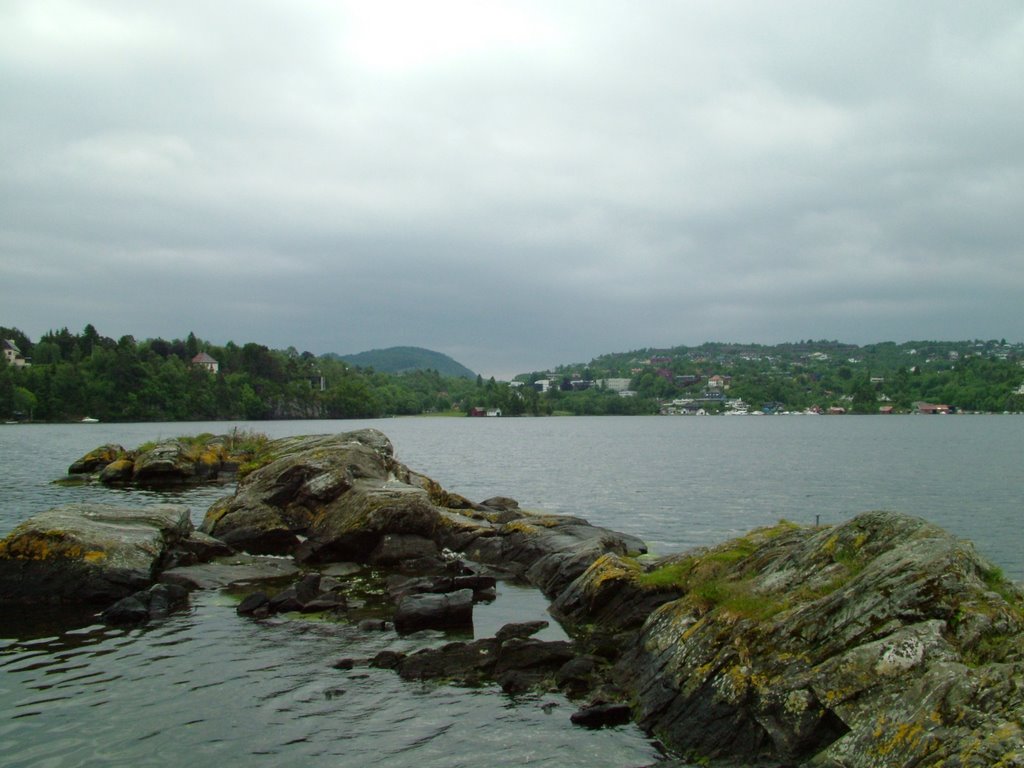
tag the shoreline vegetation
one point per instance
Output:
(882, 640)
(85, 377)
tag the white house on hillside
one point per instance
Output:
(12, 354)
(203, 360)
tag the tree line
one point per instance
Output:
(74, 375)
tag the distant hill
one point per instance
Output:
(403, 359)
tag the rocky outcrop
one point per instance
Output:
(89, 552)
(328, 498)
(882, 642)
(180, 461)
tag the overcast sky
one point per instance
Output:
(515, 184)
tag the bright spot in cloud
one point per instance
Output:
(399, 36)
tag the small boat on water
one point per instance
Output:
(88, 420)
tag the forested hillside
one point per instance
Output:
(67, 376)
(406, 359)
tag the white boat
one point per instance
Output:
(88, 420)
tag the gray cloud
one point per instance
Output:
(516, 184)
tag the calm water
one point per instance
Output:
(206, 687)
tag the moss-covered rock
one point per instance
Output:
(864, 645)
(178, 461)
(88, 552)
(96, 459)
(611, 595)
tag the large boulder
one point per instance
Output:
(89, 553)
(306, 484)
(450, 610)
(882, 642)
(96, 459)
(174, 463)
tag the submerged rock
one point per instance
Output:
(230, 571)
(153, 603)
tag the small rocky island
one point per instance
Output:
(883, 641)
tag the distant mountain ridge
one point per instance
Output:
(404, 359)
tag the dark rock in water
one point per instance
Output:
(88, 552)
(529, 654)
(466, 662)
(503, 503)
(387, 660)
(514, 681)
(522, 629)
(344, 664)
(164, 598)
(328, 601)
(374, 625)
(285, 601)
(310, 594)
(452, 610)
(516, 664)
(155, 603)
(127, 610)
(252, 603)
(308, 587)
(602, 715)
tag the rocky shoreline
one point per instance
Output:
(883, 641)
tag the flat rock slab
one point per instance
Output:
(236, 570)
(90, 553)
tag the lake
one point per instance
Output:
(206, 686)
